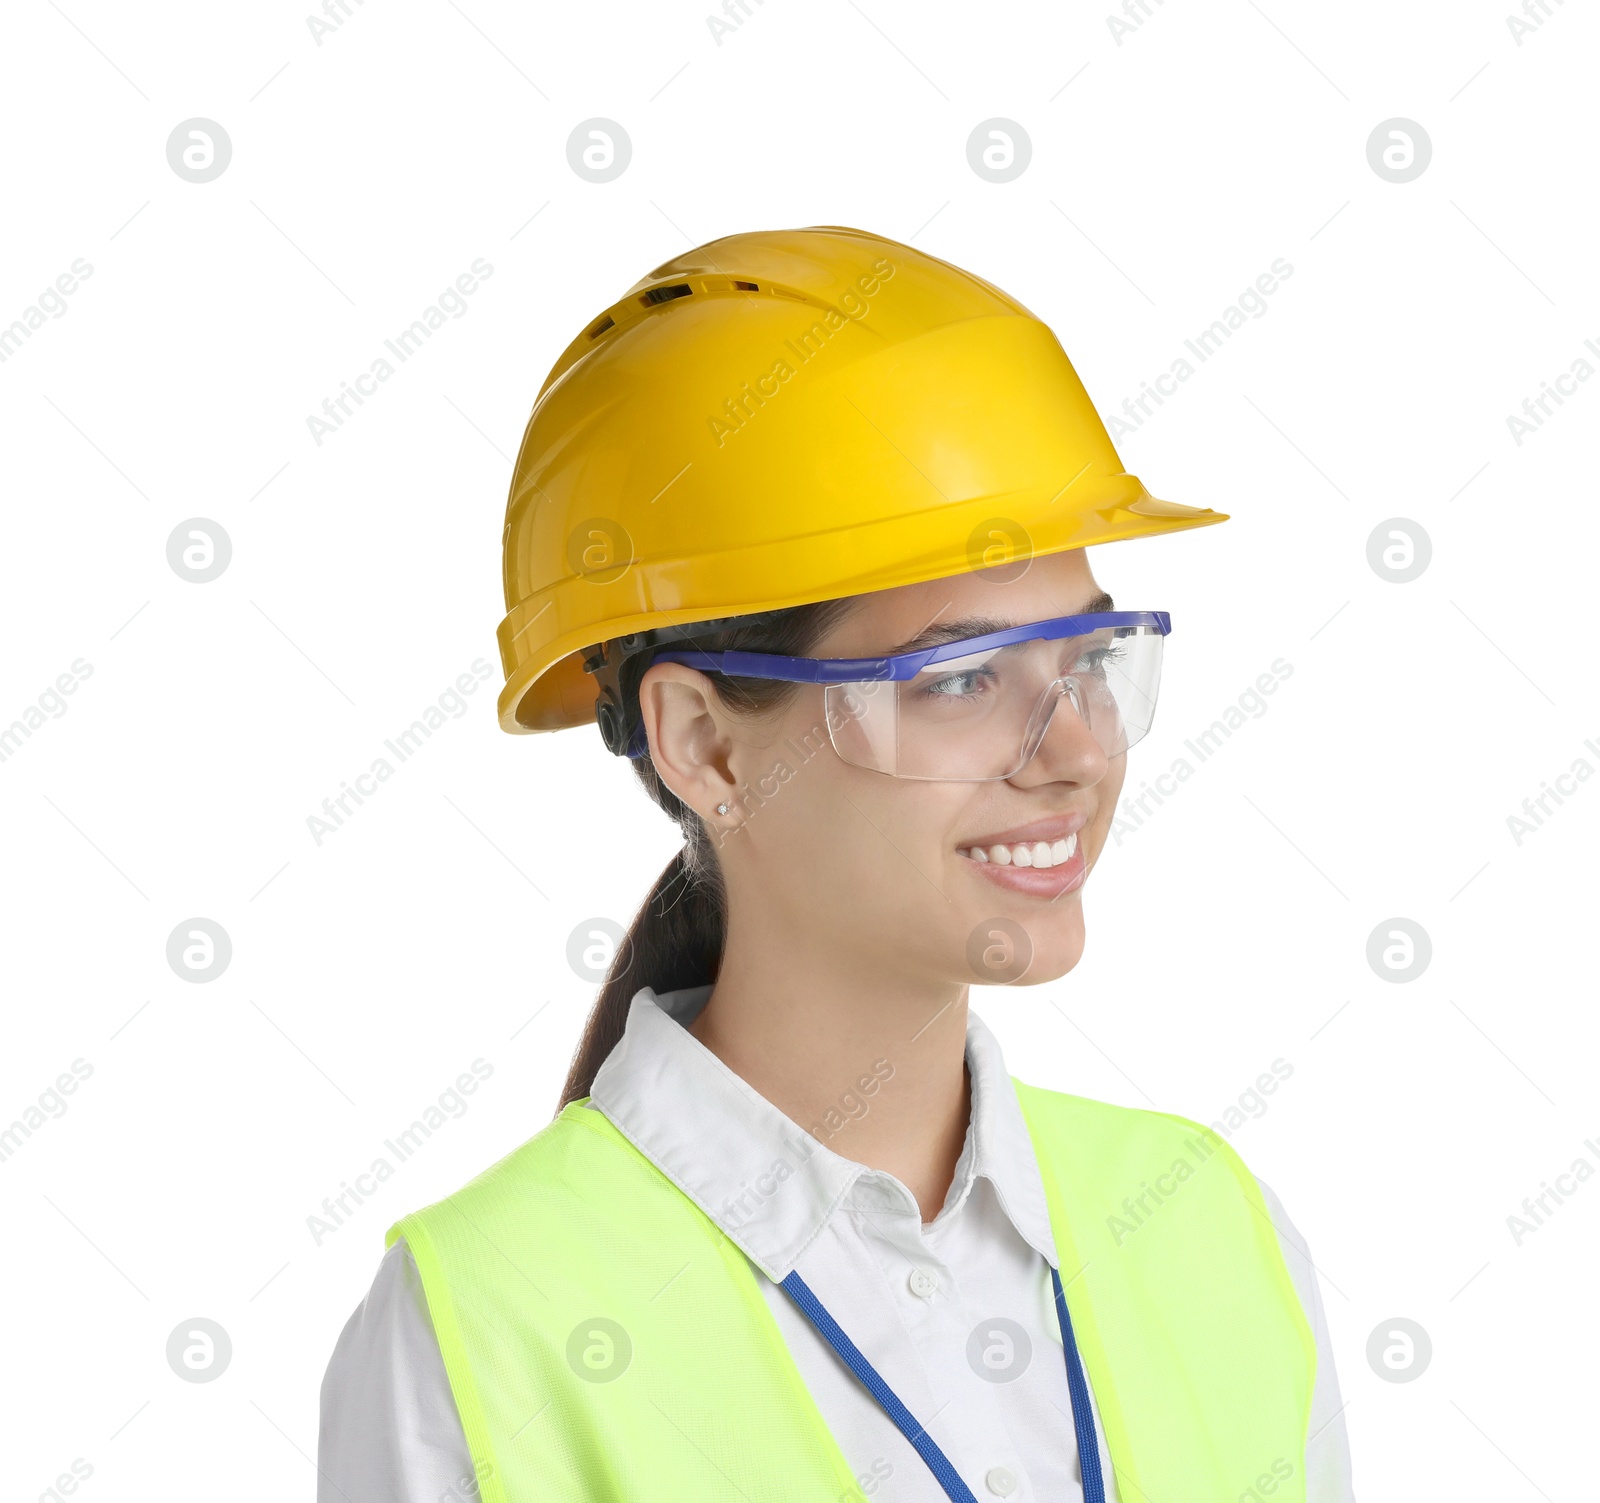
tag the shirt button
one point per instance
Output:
(923, 1284)
(1001, 1481)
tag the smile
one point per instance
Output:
(1042, 859)
(1039, 854)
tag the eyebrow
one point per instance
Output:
(980, 626)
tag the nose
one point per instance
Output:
(1065, 749)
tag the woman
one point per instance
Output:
(800, 521)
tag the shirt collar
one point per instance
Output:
(768, 1183)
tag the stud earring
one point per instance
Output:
(722, 808)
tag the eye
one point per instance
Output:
(1095, 659)
(963, 684)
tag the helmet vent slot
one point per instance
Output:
(605, 323)
(664, 294)
(747, 286)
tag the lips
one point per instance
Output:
(1056, 827)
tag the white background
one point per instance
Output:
(1230, 929)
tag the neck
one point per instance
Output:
(884, 1085)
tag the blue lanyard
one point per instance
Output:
(1094, 1489)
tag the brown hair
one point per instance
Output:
(676, 937)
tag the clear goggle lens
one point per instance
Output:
(983, 716)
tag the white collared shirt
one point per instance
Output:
(922, 1302)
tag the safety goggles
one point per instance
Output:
(974, 710)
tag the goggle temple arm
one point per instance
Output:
(620, 726)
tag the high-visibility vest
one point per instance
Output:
(605, 1340)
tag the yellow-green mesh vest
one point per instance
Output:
(605, 1341)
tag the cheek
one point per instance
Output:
(1111, 783)
(797, 812)
(1107, 791)
(863, 836)
(872, 827)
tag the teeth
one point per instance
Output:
(1034, 853)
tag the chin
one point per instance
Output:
(1024, 948)
(1054, 955)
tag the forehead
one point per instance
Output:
(1059, 584)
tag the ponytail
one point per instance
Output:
(677, 936)
(675, 940)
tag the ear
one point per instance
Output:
(689, 736)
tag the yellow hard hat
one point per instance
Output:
(783, 417)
